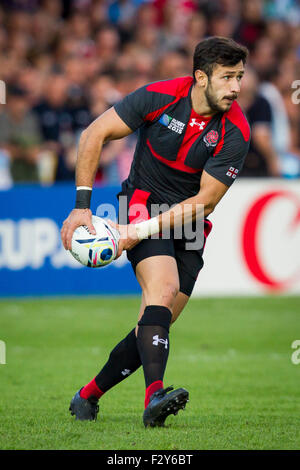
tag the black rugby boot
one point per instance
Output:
(162, 404)
(84, 409)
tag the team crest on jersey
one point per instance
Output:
(172, 123)
(211, 138)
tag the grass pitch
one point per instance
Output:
(233, 355)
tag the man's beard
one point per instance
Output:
(213, 102)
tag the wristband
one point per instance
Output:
(147, 228)
(83, 197)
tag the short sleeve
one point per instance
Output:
(134, 107)
(225, 164)
(144, 104)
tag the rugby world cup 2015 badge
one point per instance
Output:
(172, 123)
(211, 138)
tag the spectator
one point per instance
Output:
(252, 24)
(76, 58)
(107, 42)
(264, 57)
(281, 126)
(222, 25)
(172, 64)
(20, 137)
(56, 123)
(52, 111)
(196, 29)
(262, 159)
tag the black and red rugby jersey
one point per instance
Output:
(175, 144)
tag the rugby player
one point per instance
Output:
(193, 139)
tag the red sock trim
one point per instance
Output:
(91, 389)
(151, 389)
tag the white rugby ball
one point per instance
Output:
(97, 250)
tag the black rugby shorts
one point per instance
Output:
(189, 262)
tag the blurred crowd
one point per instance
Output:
(63, 63)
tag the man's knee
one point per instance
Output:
(170, 291)
(163, 293)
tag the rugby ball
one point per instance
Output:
(97, 250)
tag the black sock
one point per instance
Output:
(123, 361)
(153, 342)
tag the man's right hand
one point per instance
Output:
(76, 218)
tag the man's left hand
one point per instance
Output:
(128, 236)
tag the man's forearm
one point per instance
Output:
(90, 146)
(180, 214)
(185, 212)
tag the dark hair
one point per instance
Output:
(217, 50)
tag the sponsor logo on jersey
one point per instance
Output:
(201, 124)
(126, 372)
(172, 123)
(211, 138)
(157, 339)
(232, 172)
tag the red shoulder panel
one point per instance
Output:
(236, 116)
(154, 114)
(176, 87)
(221, 141)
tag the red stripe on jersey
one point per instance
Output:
(192, 133)
(177, 87)
(236, 116)
(154, 114)
(221, 141)
(137, 210)
(178, 164)
(207, 229)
